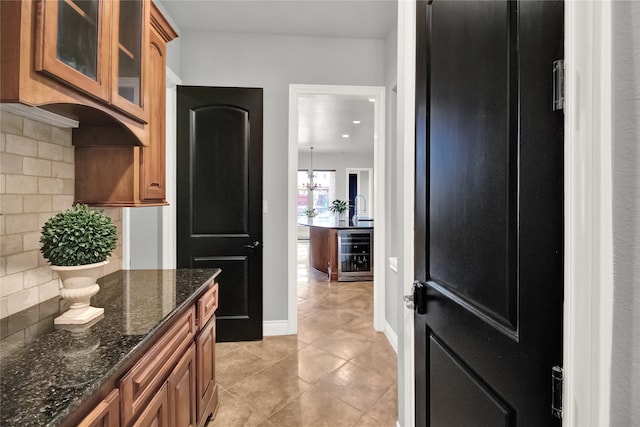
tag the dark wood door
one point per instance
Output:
(489, 212)
(219, 200)
(353, 192)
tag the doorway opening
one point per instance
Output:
(376, 95)
(360, 183)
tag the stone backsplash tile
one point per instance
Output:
(22, 262)
(31, 241)
(51, 186)
(62, 170)
(21, 223)
(37, 276)
(21, 184)
(11, 244)
(38, 203)
(11, 123)
(50, 151)
(36, 181)
(11, 163)
(37, 130)
(23, 300)
(36, 167)
(11, 204)
(11, 284)
(20, 145)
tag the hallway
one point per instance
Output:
(338, 371)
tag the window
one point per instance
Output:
(323, 194)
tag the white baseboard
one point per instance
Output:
(272, 328)
(391, 336)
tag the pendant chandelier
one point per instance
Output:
(311, 185)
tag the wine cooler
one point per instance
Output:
(355, 255)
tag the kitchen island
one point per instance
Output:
(119, 368)
(330, 248)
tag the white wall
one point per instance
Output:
(625, 369)
(392, 228)
(174, 55)
(272, 63)
(145, 238)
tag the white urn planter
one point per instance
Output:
(79, 285)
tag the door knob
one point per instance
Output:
(418, 299)
(253, 245)
(408, 301)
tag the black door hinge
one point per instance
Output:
(557, 382)
(558, 85)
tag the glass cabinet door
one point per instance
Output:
(130, 34)
(72, 43)
(77, 42)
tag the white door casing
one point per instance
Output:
(377, 93)
(588, 215)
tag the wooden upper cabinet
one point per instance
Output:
(56, 55)
(97, 46)
(73, 42)
(152, 157)
(130, 34)
(102, 63)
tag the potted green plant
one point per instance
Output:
(340, 207)
(310, 213)
(77, 243)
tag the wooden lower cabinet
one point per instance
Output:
(106, 414)
(174, 383)
(323, 250)
(207, 388)
(156, 414)
(153, 368)
(181, 388)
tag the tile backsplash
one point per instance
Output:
(36, 181)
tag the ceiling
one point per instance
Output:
(316, 18)
(322, 119)
(326, 123)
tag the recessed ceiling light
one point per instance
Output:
(345, 135)
(372, 100)
(356, 122)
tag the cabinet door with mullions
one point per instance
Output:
(73, 43)
(130, 34)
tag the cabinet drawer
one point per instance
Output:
(144, 379)
(207, 305)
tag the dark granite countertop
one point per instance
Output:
(333, 222)
(47, 372)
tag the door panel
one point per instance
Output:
(226, 131)
(220, 199)
(451, 374)
(488, 212)
(464, 222)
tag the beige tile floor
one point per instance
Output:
(338, 371)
